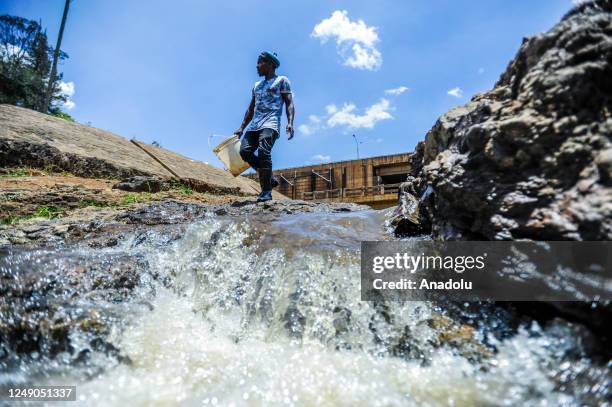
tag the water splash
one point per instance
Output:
(246, 312)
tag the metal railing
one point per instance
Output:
(351, 192)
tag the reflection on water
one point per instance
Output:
(238, 312)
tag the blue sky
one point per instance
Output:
(178, 72)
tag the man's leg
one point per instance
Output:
(248, 145)
(267, 137)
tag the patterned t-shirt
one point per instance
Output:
(269, 103)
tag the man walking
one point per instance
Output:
(264, 115)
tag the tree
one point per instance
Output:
(25, 65)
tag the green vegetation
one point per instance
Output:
(62, 115)
(185, 189)
(181, 187)
(130, 199)
(28, 172)
(14, 174)
(47, 212)
(10, 219)
(25, 66)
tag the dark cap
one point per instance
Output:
(272, 57)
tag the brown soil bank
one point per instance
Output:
(532, 158)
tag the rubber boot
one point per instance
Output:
(265, 181)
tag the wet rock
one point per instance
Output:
(532, 157)
(408, 218)
(286, 206)
(163, 212)
(294, 321)
(142, 184)
(408, 348)
(42, 306)
(461, 337)
(105, 227)
(342, 320)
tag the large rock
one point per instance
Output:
(532, 158)
(408, 218)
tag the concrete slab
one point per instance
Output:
(30, 138)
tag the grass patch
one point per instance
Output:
(185, 189)
(29, 172)
(46, 212)
(63, 115)
(130, 199)
(49, 212)
(10, 219)
(181, 187)
(14, 174)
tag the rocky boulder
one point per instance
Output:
(142, 184)
(532, 158)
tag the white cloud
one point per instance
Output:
(314, 124)
(348, 117)
(373, 114)
(331, 109)
(313, 118)
(305, 129)
(355, 40)
(67, 88)
(364, 58)
(455, 92)
(397, 91)
(321, 158)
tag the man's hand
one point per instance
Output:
(290, 109)
(290, 131)
(238, 132)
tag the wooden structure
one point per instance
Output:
(371, 181)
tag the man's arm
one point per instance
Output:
(248, 116)
(290, 110)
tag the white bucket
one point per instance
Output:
(228, 152)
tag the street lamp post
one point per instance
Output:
(356, 144)
(47, 101)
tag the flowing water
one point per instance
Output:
(246, 312)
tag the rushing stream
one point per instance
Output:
(236, 311)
